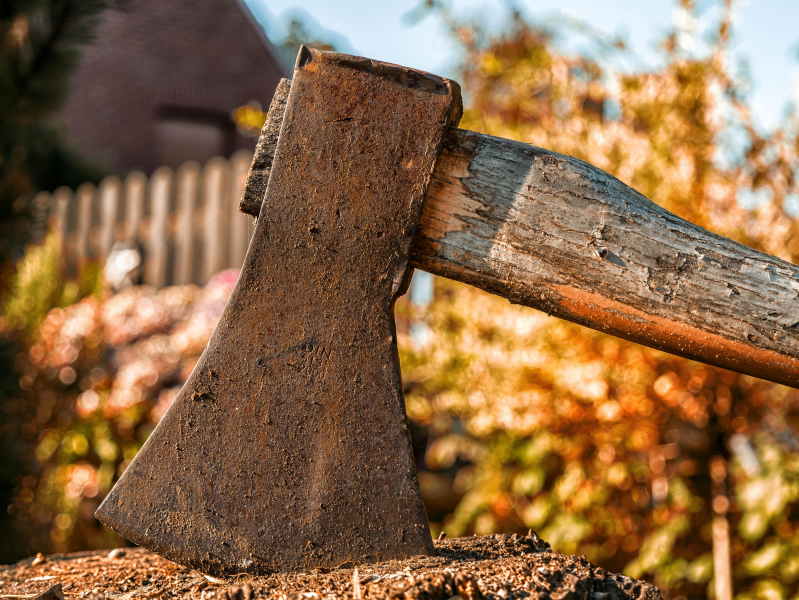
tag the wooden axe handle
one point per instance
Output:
(554, 233)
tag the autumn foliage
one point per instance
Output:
(605, 448)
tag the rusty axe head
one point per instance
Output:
(288, 447)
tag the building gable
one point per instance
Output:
(159, 82)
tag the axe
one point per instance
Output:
(288, 446)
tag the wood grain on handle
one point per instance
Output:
(554, 233)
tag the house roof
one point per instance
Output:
(154, 62)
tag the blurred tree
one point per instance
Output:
(604, 446)
(40, 43)
(300, 32)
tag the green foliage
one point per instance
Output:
(35, 288)
(40, 43)
(39, 285)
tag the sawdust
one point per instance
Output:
(498, 567)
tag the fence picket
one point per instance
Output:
(157, 241)
(109, 205)
(135, 186)
(238, 234)
(193, 213)
(85, 197)
(60, 211)
(187, 188)
(213, 192)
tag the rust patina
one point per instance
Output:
(288, 447)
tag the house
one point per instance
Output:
(158, 84)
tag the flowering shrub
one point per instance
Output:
(97, 377)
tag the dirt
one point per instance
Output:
(496, 567)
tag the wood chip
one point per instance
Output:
(356, 585)
(39, 559)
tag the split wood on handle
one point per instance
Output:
(554, 233)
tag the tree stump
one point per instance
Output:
(495, 567)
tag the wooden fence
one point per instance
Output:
(186, 224)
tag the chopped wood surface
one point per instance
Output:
(498, 567)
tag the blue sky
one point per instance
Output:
(766, 36)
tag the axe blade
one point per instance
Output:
(288, 446)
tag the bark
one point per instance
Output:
(554, 233)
